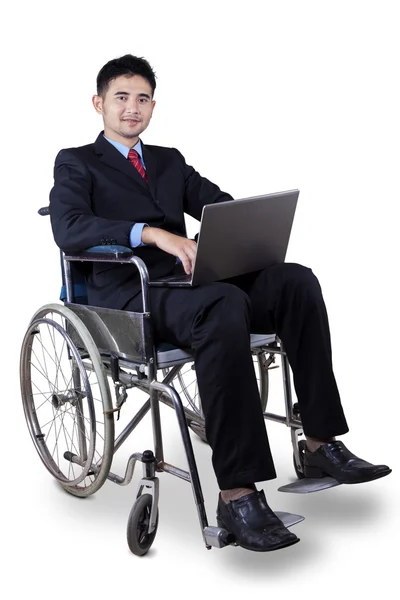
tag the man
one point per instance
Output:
(120, 191)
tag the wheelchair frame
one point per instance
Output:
(124, 339)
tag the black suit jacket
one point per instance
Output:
(98, 196)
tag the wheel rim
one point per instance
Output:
(64, 391)
(142, 535)
(138, 536)
(56, 409)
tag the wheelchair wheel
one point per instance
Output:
(67, 400)
(139, 540)
(302, 450)
(185, 383)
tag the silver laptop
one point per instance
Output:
(239, 236)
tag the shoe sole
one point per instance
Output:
(378, 476)
(312, 475)
(280, 547)
(221, 524)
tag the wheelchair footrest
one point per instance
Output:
(308, 485)
(217, 537)
(288, 519)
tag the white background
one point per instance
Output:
(305, 94)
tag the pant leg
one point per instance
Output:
(287, 300)
(214, 320)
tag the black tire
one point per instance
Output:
(139, 541)
(67, 400)
(302, 449)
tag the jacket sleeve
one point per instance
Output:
(75, 226)
(199, 191)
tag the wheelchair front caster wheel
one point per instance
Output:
(302, 450)
(138, 536)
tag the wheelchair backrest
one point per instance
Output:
(79, 273)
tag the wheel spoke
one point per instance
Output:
(55, 362)
(67, 417)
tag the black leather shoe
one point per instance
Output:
(254, 525)
(335, 460)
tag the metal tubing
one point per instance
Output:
(294, 435)
(189, 413)
(135, 260)
(155, 413)
(144, 280)
(130, 467)
(194, 475)
(131, 425)
(68, 279)
(171, 374)
(269, 349)
(283, 420)
(163, 466)
(143, 385)
(287, 387)
(130, 380)
(76, 379)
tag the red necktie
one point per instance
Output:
(134, 159)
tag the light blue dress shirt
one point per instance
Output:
(135, 236)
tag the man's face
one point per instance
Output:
(126, 108)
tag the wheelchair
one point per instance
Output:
(74, 354)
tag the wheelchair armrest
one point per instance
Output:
(107, 253)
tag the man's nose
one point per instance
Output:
(132, 106)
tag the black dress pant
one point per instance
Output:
(216, 320)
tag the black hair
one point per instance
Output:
(125, 65)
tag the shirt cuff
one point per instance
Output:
(135, 236)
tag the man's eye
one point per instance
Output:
(144, 100)
(121, 97)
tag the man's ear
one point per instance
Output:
(98, 104)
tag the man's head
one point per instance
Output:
(125, 89)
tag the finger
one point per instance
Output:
(186, 249)
(191, 249)
(187, 265)
(193, 246)
(191, 256)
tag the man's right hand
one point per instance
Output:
(176, 245)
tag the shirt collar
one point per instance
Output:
(124, 149)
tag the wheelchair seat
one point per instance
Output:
(169, 355)
(78, 363)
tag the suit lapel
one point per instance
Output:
(151, 169)
(112, 157)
